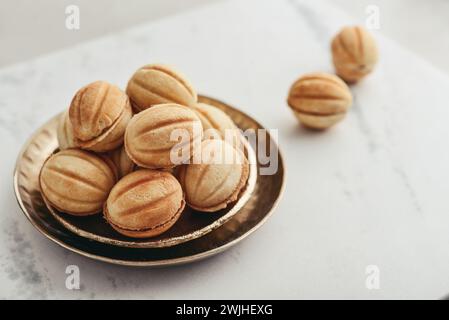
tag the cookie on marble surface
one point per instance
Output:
(354, 53)
(319, 100)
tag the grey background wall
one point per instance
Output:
(29, 28)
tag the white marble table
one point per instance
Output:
(371, 191)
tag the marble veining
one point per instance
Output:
(313, 19)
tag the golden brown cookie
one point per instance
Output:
(76, 182)
(319, 100)
(156, 84)
(217, 124)
(152, 134)
(354, 53)
(99, 114)
(66, 138)
(217, 180)
(144, 203)
(123, 165)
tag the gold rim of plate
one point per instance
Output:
(254, 206)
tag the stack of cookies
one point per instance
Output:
(141, 156)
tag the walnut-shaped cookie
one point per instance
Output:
(215, 177)
(66, 139)
(354, 53)
(99, 114)
(157, 84)
(123, 165)
(163, 136)
(217, 124)
(76, 182)
(145, 203)
(319, 100)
